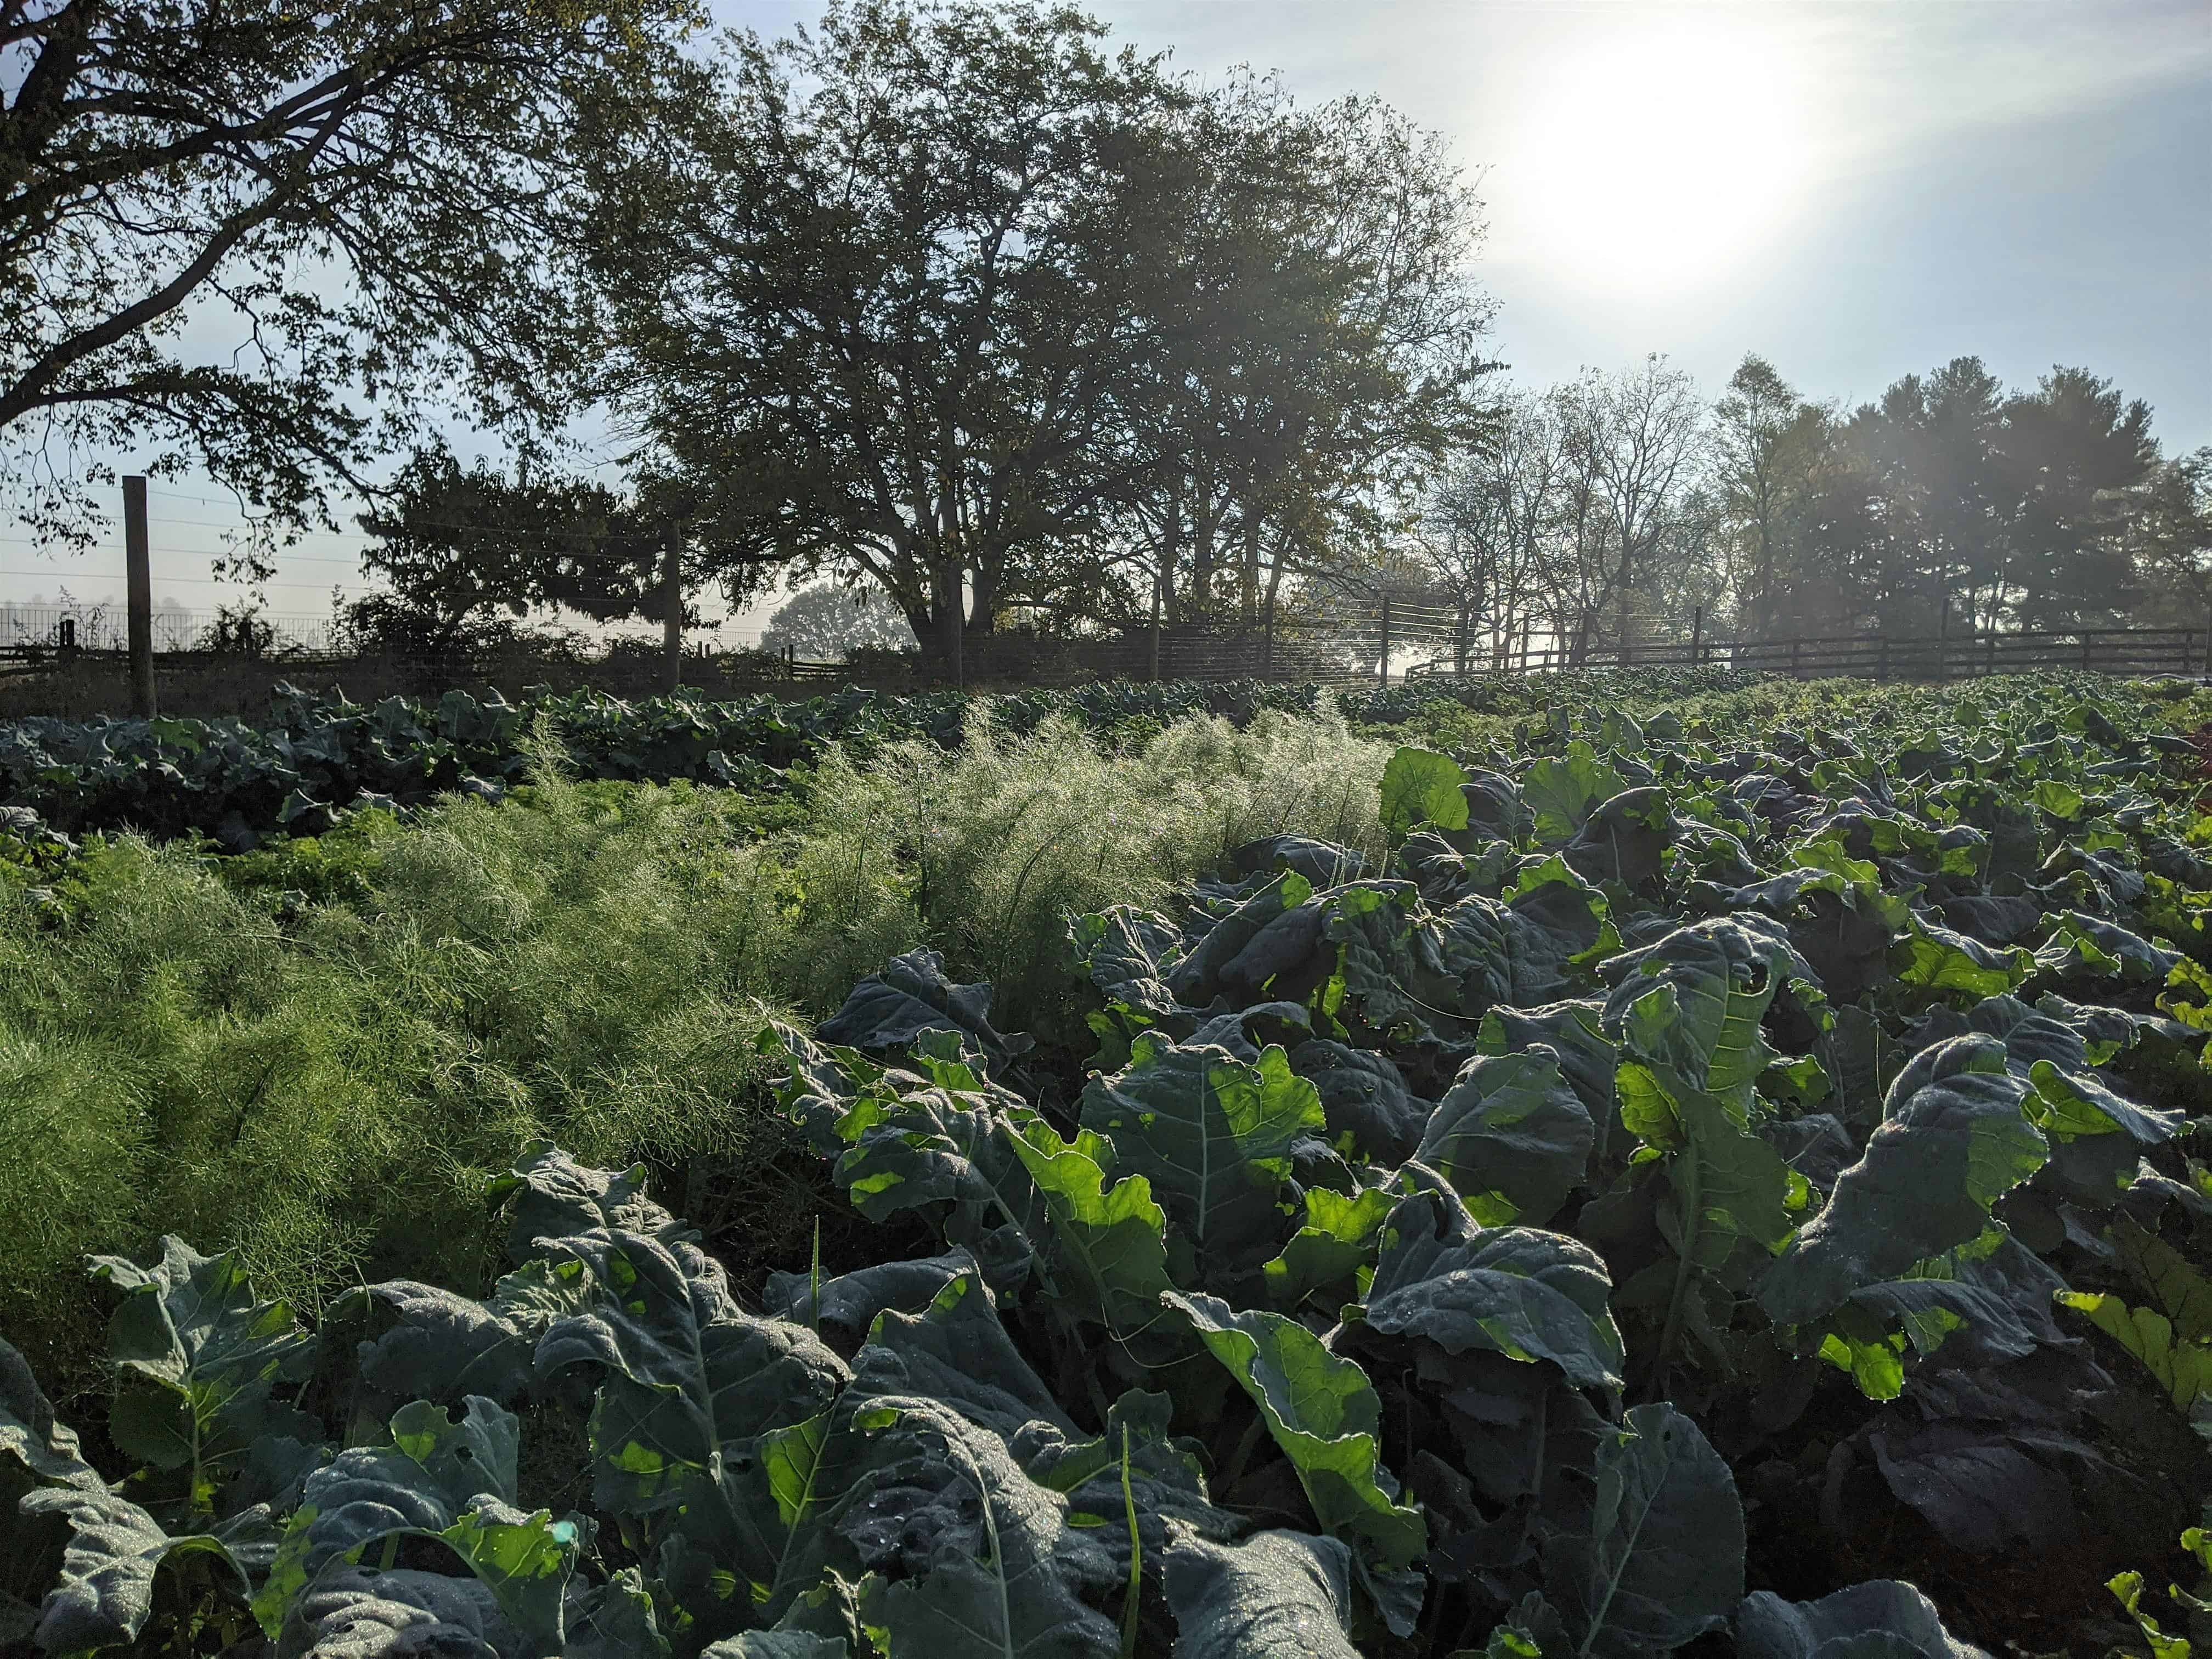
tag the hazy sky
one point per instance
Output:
(1856, 190)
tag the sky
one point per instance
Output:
(1855, 191)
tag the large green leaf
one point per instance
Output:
(198, 1360)
(1324, 1415)
(1340, 1236)
(1106, 1247)
(1513, 1290)
(1657, 1559)
(683, 1374)
(1692, 1003)
(1420, 786)
(105, 1591)
(2183, 1368)
(1211, 1134)
(30, 1433)
(985, 1560)
(1276, 1595)
(444, 1346)
(453, 1481)
(549, 1195)
(1565, 790)
(1510, 1129)
(1880, 1619)
(1952, 1142)
(359, 1611)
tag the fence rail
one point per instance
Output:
(1349, 644)
(2128, 651)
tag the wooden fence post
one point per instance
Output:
(1384, 666)
(139, 577)
(1267, 638)
(1881, 670)
(2087, 636)
(1158, 580)
(671, 589)
(1989, 654)
(1697, 635)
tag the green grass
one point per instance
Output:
(315, 1054)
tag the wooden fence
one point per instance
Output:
(2134, 651)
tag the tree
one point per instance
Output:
(465, 550)
(943, 297)
(1632, 445)
(379, 200)
(1751, 433)
(1492, 526)
(2171, 537)
(2073, 458)
(826, 623)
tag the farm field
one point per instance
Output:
(1597, 1166)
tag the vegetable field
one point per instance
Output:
(1670, 1169)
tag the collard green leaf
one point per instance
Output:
(431, 1474)
(1659, 1558)
(2083, 948)
(681, 1373)
(444, 1346)
(1105, 1250)
(198, 1361)
(1364, 1099)
(957, 1351)
(1880, 1619)
(1276, 1595)
(1513, 1290)
(1211, 1133)
(1510, 1129)
(105, 1591)
(887, 1011)
(981, 1559)
(550, 1195)
(1692, 1002)
(1322, 1413)
(358, 1612)
(1563, 791)
(1625, 840)
(2183, 1368)
(850, 1302)
(1129, 954)
(1937, 959)
(1952, 1142)
(1340, 1236)
(30, 1433)
(1420, 786)
(778, 1645)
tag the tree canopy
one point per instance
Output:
(266, 242)
(947, 297)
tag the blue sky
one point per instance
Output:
(1856, 190)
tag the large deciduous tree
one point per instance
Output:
(256, 239)
(947, 297)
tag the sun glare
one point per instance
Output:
(1659, 161)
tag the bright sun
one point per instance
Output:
(1658, 160)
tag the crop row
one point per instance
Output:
(1684, 1177)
